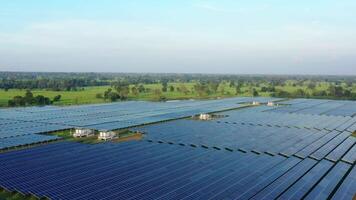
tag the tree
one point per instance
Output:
(183, 89)
(164, 86)
(238, 89)
(311, 85)
(111, 95)
(222, 90)
(213, 87)
(299, 93)
(171, 88)
(17, 101)
(28, 97)
(57, 98)
(347, 93)
(42, 100)
(232, 84)
(335, 91)
(264, 89)
(134, 91)
(106, 93)
(141, 88)
(11, 103)
(281, 93)
(254, 92)
(201, 89)
(122, 89)
(321, 93)
(158, 95)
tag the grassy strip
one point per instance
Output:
(67, 136)
(6, 195)
(124, 135)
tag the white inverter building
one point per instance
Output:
(83, 132)
(107, 135)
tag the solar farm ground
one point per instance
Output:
(302, 150)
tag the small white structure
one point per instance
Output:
(255, 103)
(203, 116)
(107, 135)
(83, 132)
(270, 103)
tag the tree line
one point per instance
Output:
(72, 81)
(124, 85)
(121, 90)
(30, 100)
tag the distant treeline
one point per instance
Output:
(73, 81)
(123, 84)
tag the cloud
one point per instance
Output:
(94, 45)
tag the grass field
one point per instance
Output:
(88, 95)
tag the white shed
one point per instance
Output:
(83, 132)
(255, 103)
(107, 135)
(204, 117)
(270, 103)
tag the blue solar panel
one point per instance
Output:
(348, 187)
(303, 185)
(326, 186)
(304, 150)
(319, 107)
(276, 188)
(136, 169)
(234, 136)
(339, 151)
(331, 145)
(350, 156)
(30, 121)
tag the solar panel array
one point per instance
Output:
(261, 116)
(319, 107)
(252, 153)
(143, 170)
(287, 141)
(20, 124)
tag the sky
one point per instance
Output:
(179, 36)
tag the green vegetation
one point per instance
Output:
(67, 135)
(30, 100)
(127, 135)
(86, 88)
(67, 97)
(4, 195)
(123, 134)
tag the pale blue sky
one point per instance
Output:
(193, 36)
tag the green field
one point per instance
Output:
(88, 94)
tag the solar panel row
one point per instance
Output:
(256, 153)
(143, 170)
(22, 123)
(274, 140)
(257, 115)
(318, 107)
(24, 140)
